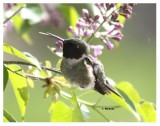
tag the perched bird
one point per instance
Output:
(80, 68)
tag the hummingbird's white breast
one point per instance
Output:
(78, 72)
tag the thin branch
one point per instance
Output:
(16, 72)
(5, 21)
(26, 75)
(26, 63)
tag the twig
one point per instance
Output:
(13, 15)
(25, 63)
(27, 75)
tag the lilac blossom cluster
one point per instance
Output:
(90, 26)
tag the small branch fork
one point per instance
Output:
(29, 64)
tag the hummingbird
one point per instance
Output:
(82, 69)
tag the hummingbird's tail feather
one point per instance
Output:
(106, 89)
(101, 83)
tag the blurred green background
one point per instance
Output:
(133, 61)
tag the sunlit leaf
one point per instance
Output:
(5, 77)
(30, 83)
(20, 88)
(49, 65)
(127, 103)
(59, 63)
(8, 117)
(4, 119)
(147, 112)
(22, 27)
(13, 51)
(70, 13)
(63, 113)
(85, 111)
(77, 107)
(32, 59)
(130, 91)
(121, 18)
(20, 5)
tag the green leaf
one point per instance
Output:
(126, 90)
(130, 91)
(7, 117)
(20, 87)
(32, 59)
(147, 111)
(33, 13)
(127, 103)
(5, 77)
(4, 119)
(70, 13)
(77, 107)
(25, 56)
(85, 111)
(121, 18)
(63, 113)
(22, 28)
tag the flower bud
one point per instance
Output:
(118, 36)
(88, 33)
(109, 45)
(79, 25)
(114, 16)
(97, 49)
(95, 26)
(97, 5)
(71, 30)
(116, 25)
(104, 17)
(96, 18)
(85, 13)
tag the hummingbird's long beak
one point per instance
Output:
(52, 35)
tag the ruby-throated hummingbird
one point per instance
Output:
(80, 68)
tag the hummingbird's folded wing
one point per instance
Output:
(101, 83)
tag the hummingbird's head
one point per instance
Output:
(75, 48)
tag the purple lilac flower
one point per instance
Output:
(97, 50)
(58, 48)
(90, 26)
